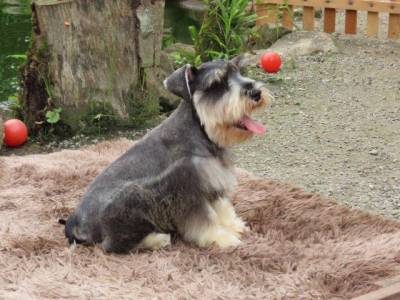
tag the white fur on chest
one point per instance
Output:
(213, 173)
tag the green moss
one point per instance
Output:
(142, 102)
(143, 108)
(43, 49)
(100, 117)
(95, 117)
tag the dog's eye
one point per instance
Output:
(221, 84)
(216, 91)
(248, 86)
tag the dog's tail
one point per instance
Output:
(62, 221)
(70, 228)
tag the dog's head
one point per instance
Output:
(222, 97)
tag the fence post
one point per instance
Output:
(329, 19)
(267, 14)
(308, 18)
(394, 26)
(287, 18)
(372, 23)
(350, 21)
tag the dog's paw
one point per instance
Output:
(155, 241)
(238, 226)
(224, 238)
(227, 239)
(227, 216)
(216, 235)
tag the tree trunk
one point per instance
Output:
(93, 59)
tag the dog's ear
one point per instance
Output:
(239, 62)
(179, 81)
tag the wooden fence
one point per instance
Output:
(272, 11)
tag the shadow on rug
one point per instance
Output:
(301, 245)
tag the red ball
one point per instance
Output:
(15, 133)
(271, 62)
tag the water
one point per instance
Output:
(15, 31)
(178, 19)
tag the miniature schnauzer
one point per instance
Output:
(176, 179)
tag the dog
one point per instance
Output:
(177, 178)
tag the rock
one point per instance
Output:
(180, 48)
(266, 35)
(300, 43)
(373, 152)
(193, 5)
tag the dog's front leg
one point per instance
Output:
(227, 216)
(204, 228)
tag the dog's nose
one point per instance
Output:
(255, 94)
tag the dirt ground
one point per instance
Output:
(334, 127)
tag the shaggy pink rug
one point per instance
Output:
(301, 245)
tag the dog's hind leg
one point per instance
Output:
(126, 223)
(227, 216)
(74, 233)
(204, 229)
(123, 234)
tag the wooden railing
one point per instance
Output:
(273, 11)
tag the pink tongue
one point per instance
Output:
(253, 125)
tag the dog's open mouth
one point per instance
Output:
(249, 124)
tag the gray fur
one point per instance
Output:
(158, 185)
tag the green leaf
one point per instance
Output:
(193, 33)
(197, 61)
(52, 117)
(13, 97)
(98, 116)
(17, 56)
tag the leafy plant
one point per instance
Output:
(225, 30)
(12, 102)
(102, 121)
(182, 57)
(53, 116)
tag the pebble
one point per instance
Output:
(374, 152)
